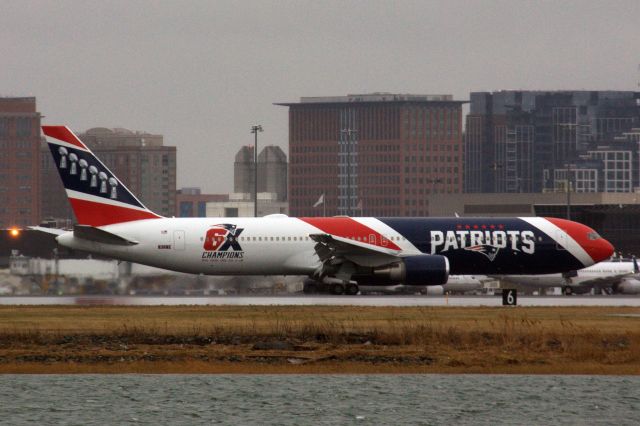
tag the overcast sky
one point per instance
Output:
(202, 72)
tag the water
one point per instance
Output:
(318, 399)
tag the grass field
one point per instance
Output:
(319, 339)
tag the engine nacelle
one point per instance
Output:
(422, 269)
(628, 286)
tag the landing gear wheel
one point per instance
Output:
(352, 289)
(567, 291)
(309, 288)
(337, 289)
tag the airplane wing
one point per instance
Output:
(88, 233)
(335, 250)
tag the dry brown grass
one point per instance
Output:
(320, 339)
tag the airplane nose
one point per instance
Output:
(594, 245)
(600, 250)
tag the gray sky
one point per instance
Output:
(201, 73)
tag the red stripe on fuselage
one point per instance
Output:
(63, 134)
(599, 249)
(346, 227)
(99, 214)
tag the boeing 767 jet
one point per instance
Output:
(336, 253)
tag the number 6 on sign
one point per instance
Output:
(509, 297)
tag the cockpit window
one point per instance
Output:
(593, 236)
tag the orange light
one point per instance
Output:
(14, 232)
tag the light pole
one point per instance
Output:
(255, 129)
(569, 170)
(494, 167)
(348, 132)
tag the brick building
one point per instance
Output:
(19, 162)
(394, 149)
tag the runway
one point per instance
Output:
(305, 300)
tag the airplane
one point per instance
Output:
(337, 253)
(621, 277)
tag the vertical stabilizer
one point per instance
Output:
(96, 195)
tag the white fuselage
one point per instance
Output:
(602, 270)
(269, 246)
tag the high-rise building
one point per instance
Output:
(272, 185)
(243, 174)
(534, 141)
(141, 160)
(19, 162)
(377, 154)
(272, 172)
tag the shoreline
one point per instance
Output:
(338, 369)
(319, 340)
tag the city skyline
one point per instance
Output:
(202, 75)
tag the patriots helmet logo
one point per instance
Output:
(490, 251)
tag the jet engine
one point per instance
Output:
(422, 269)
(628, 286)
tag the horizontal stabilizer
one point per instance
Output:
(51, 231)
(100, 236)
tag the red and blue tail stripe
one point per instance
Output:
(96, 195)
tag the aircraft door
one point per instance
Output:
(178, 240)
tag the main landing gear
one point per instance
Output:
(330, 286)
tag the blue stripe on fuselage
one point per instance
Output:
(486, 245)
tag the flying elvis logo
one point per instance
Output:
(221, 242)
(485, 242)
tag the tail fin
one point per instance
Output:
(635, 265)
(96, 195)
